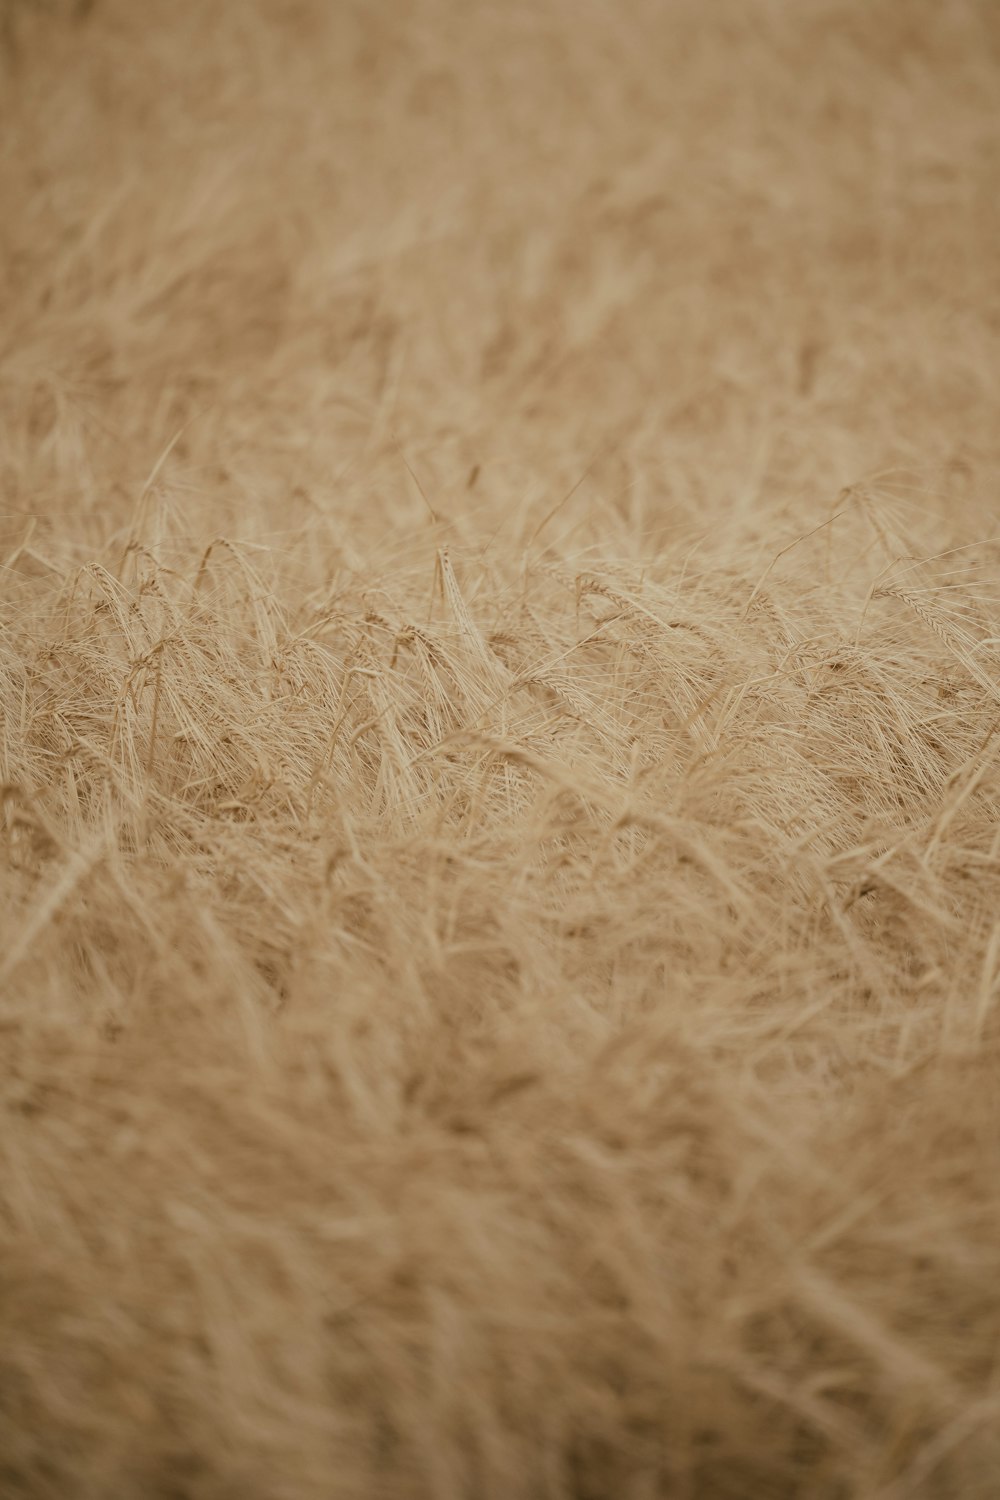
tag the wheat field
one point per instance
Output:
(499, 708)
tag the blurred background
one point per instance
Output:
(709, 261)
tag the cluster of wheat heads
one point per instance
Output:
(530, 1031)
(499, 860)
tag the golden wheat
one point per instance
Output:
(500, 880)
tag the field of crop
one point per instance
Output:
(500, 750)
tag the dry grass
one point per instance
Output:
(500, 679)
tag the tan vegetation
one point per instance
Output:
(500, 908)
